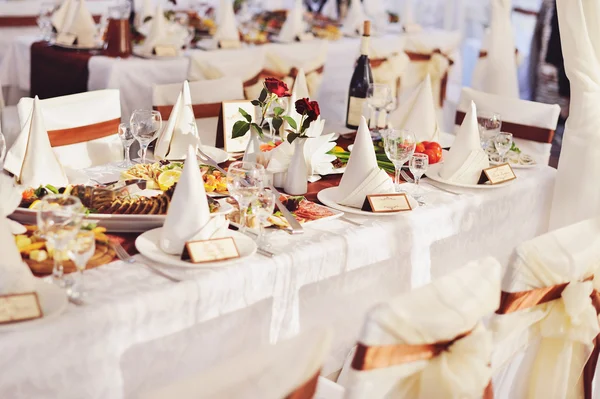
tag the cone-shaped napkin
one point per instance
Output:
(181, 130)
(188, 217)
(466, 158)
(418, 114)
(330, 10)
(294, 25)
(162, 33)
(300, 85)
(62, 17)
(31, 158)
(83, 26)
(145, 11)
(362, 176)
(15, 275)
(227, 30)
(355, 19)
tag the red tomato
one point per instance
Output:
(425, 143)
(435, 147)
(420, 148)
(431, 154)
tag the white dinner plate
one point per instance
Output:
(148, 245)
(217, 154)
(53, 301)
(433, 172)
(516, 165)
(328, 197)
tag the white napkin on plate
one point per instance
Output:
(294, 26)
(83, 26)
(418, 114)
(362, 176)
(188, 217)
(466, 159)
(227, 30)
(31, 158)
(160, 32)
(181, 130)
(62, 17)
(146, 10)
(355, 19)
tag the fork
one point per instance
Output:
(125, 257)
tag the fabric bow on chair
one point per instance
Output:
(435, 64)
(388, 69)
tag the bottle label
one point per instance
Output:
(365, 45)
(355, 110)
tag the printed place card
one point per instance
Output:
(229, 44)
(386, 203)
(210, 250)
(305, 37)
(19, 307)
(497, 174)
(165, 51)
(66, 39)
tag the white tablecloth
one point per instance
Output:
(139, 330)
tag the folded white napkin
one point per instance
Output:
(316, 149)
(188, 217)
(83, 26)
(294, 25)
(227, 30)
(330, 10)
(31, 158)
(181, 131)
(62, 17)
(15, 275)
(466, 159)
(145, 9)
(160, 32)
(300, 87)
(408, 20)
(281, 156)
(419, 113)
(362, 176)
(355, 19)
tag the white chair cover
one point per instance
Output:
(520, 112)
(80, 110)
(388, 62)
(540, 351)
(268, 372)
(441, 311)
(203, 92)
(576, 197)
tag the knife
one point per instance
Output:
(295, 227)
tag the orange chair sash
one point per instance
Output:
(83, 134)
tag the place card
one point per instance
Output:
(165, 51)
(20, 307)
(203, 251)
(229, 44)
(67, 39)
(386, 203)
(305, 37)
(497, 174)
(229, 115)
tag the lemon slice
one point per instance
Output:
(35, 204)
(168, 178)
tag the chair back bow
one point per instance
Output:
(437, 65)
(388, 70)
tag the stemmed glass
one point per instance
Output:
(80, 250)
(145, 125)
(399, 146)
(418, 165)
(59, 219)
(503, 142)
(244, 182)
(126, 136)
(44, 19)
(489, 126)
(263, 208)
(379, 97)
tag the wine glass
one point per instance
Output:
(44, 19)
(59, 219)
(127, 139)
(145, 125)
(379, 96)
(418, 165)
(244, 182)
(399, 146)
(489, 127)
(80, 250)
(503, 142)
(263, 208)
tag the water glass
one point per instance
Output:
(44, 19)
(503, 142)
(489, 127)
(399, 146)
(127, 139)
(145, 125)
(244, 182)
(80, 250)
(263, 208)
(379, 97)
(59, 219)
(418, 165)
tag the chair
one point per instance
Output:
(82, 127)
(532, 124)
(546, 328)
(287, 370)
(430, 342)
(207, 96)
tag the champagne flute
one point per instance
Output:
(145, 125)
(489, 124)
(418, 165)
(244, 182)
(503, 142)
(399, 146)
(127, 139)
(80, 250)
(263, 208)
(379, 97)
(59, 219)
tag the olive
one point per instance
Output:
(61, 190)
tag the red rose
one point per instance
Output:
(309, 108)
(277, 87)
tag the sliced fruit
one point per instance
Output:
(168, 178)
(35, 204)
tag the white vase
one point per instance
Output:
(253, 147)
(295, 182)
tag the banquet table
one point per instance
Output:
(138, 330)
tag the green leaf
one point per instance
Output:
(245, 115)
(263, 95)
(256, 103)
(277, 122)
(291, 137)
(291, 122)
(278, 111)
(240, 128)
(257, 129)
